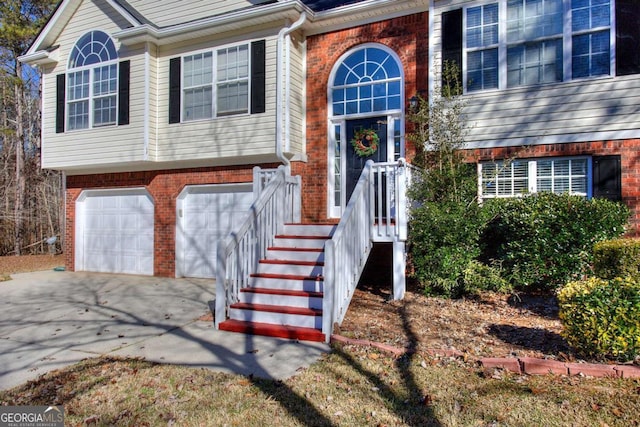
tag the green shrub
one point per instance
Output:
(481, 277)
(617, 258)
(443, 239)
(601, 317)
(545, 240)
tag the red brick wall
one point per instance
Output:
(407, 36)
(164, 187)
(629, 151)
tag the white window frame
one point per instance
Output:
(91, 93)
(532, 177)
(215, 83)
(503, 45)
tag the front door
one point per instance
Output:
(355, 161)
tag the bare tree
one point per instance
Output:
(20, 21)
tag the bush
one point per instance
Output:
(443, 239)
(617, 258)
(481, 277)
(601, 317)
(545, 240)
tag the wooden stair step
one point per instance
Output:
(292, 262)
(283, 292)
(295, 236)
(267, 329)
(287, 276)
(277, 309)
(281, 248)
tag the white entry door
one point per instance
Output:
(206, 214)
(114, 231)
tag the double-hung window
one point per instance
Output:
(482, 47)
(216, 83)
(92, 82)
(512, 43)
(520, 176)
(534, 42)
(591, 46)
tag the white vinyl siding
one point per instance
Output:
(234, 139)
(113, 146)
(165, 13)
(297, 98)
(579, 110)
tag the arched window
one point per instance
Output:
(92, 82)
(368, 80)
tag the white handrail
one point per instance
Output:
(350, 244)
(374, 213)
(238, 254)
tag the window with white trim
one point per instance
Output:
(92, 82)
(227, 88)
(521, 176)
(537, 42)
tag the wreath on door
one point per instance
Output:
(365, 142)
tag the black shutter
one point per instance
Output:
(174, 90)
(123, 92)
(258, 77)
(607, 177)
(627, 37)
(61, 81)
(452, 43)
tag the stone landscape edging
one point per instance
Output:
(518, 365)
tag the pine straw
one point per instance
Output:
(490, 325)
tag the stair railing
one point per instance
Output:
(376, 212)
(389, 212)
(346, 253)
(238, 254)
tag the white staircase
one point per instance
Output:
(285, 294)
(280, 278)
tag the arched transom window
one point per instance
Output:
(369, 80)
(92, 82)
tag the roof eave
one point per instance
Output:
(362, 12)
(40, 57)
(272, 13)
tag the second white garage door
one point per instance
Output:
(206, 214)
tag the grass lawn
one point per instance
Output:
(352, 386)
(356, 386)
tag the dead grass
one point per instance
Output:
(22, 264)
(356, 386)
(350, 387)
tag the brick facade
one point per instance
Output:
(164, 187)
(407, 37)
(629, 151)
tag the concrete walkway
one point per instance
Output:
(50, 319)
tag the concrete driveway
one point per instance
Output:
(52, 319)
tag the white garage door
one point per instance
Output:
(114, 231)
(205, 215)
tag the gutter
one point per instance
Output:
(284, 81)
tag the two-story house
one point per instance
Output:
(170, 118)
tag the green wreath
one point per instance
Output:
(365, 142)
